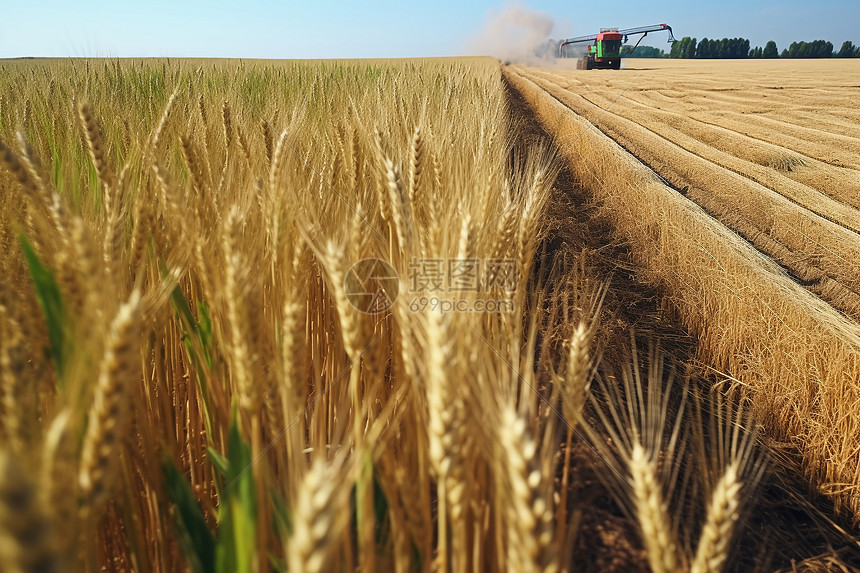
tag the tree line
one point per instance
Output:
(726, 48)
(734, 48)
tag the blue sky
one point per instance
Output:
(337, 29)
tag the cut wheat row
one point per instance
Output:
(818, 252)
(796, 358)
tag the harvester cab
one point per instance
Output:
(604, 49)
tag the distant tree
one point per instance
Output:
(847, 50)
(725, 48)
(642, 52)
(732, 47)
(815, 49)
(690, 52)
(796, 50)
(770, 50)
(821, 49)
(756, 52)
(683, 48)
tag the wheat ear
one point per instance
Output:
(652, 513)
(109, 414)
(237, 320)
(320, 516)
(26, 540)
(349, 321)
(277, 159)
(382, 193)
(268, 140)
(417, 159)
(465, 246)
(144, 225)
(155, 136)
(95, 145)
(18, 170)
(450, 442)
(59, 461)
(505, 230)
(293, 355)
(576, 381)
(530, 214)
(201, 104)
(192, 164)
(400, 208)
(713, 549)
(12, 380)
(244, 145)
(530, 516)
(50, 201)
(228, 124)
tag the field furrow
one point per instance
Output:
(796, 357)
(814, 250)
(800, 136)
(797, 176)
(822, 121)
(828, 141)
(836, 150)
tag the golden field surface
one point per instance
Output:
(726, 169)
(769, 148)
(423, 315)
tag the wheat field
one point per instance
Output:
(335, 315)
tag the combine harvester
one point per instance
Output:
(604, 50)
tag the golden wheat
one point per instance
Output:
(200, 267)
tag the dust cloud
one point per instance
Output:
(517, 33)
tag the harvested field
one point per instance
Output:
(797, 204)
(789, 339)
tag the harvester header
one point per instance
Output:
(604, 49)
